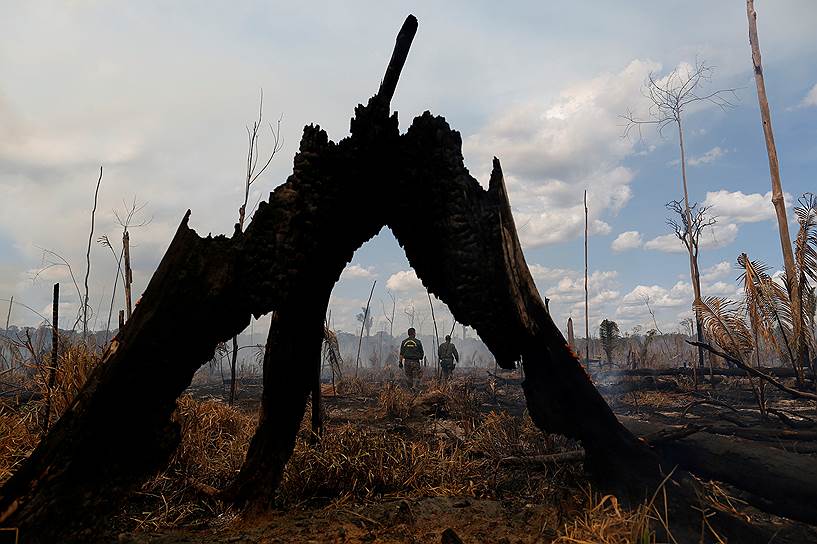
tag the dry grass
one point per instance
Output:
(604, 521)
(354, 386)
(21, 423)
(215, 438)
(358, 461)
(394, 402)
(19, 435)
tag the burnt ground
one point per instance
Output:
(506, 498)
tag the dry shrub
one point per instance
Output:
(19, 435)
(355, 386)
(501, 435)
(214, 441)
(75, 363)
(463, 402)
(21, 424)
(395, 402)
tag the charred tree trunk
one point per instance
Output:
(290, 361)
(114, 436)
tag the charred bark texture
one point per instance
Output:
(460, 239)
(777, 481)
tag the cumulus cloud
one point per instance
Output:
(630, 239)
(668, 243)
(404, 281)
(738, 207)
(710, 156)
(717, 271)
(357, 271)
(659, 296)
(552, 150)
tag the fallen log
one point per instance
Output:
(779, 372)
(777, 481)
(755, 372)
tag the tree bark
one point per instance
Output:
(586, 300)
(55, 349)
(777, 481)
(792, 278)
(128, 275)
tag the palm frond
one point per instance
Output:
(805, 245)
(724, 324)
(766, 302)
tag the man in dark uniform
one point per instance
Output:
(411, 353)
(447, 354)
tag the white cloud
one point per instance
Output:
(630, 239)
(543, 273)
(668, 243)
(552, 150)
(738, 207)
(710, 156)
(404, 280)
(810, 99)
(717, 271)
(658, 296)
(713, 237)
(357, 271)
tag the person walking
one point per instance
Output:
(411, 353)
(447, 354)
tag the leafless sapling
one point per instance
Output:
(670, 97)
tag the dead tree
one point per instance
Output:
(88, 261)
(586, 296)
(693, 221)
(287, 261)
(55, 345)
(252, 173)
(669, 98)
(793, 285)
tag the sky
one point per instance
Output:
(159, 94)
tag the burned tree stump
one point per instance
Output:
(119, 429)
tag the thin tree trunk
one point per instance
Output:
(792, 279)
(436, 334)
(233, 362)
(55, 344)
(88, 260)
(691, 244)
(128, 274)
(8, 316)
(586, 297)
(362, 326)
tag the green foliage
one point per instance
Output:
(610, 337)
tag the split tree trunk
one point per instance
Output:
(114, 436)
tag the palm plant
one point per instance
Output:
(765, 317)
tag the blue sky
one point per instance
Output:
(159, 94)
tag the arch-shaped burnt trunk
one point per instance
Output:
(459, 237)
